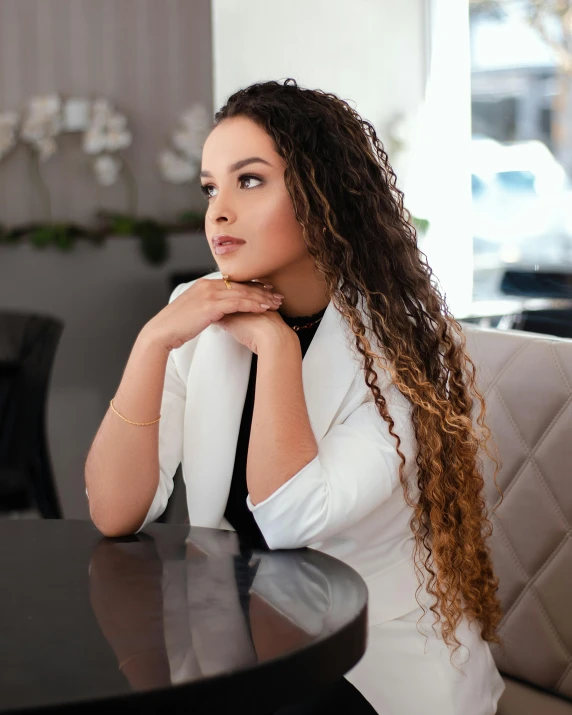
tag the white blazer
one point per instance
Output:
(347, 502)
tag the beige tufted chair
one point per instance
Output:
(526, 379)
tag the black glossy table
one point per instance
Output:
(175, 619)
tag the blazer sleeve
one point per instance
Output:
(355, 471)
(170, 431)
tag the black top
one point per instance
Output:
(237, 512)
(153, 622)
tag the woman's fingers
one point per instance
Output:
(262, 294)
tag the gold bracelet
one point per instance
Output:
(139, 424)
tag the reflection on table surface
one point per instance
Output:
(175, 612)
(87, 619)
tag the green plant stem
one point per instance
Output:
(132, 194)
(43, 186)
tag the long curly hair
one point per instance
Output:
(339, 177)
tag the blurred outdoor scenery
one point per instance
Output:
(521, 159)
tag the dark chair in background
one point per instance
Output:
(551, 321)
(28, 345)
(537, 283)
(554, 285)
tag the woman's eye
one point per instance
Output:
(248, 177)
(245, 177)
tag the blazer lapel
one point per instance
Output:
(216, 390)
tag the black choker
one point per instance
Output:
(305, 321)
(307, 325)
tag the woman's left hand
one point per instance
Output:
(251, 329)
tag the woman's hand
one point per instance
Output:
(206, 302)
(251, 330)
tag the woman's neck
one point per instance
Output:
(304, 292)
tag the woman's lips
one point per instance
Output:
(229, 248)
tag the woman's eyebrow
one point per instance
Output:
(238, 165)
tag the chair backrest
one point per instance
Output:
(28, 342)
(526, 379)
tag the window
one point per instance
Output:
(522, 142)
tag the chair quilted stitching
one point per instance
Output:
(564, 675)
(531, 450)
(479, 362)
(482, 363)
(525, 340)
(530, 587)
(497, 523)
(509, 362)
(551, 625)
(520, 438)
(555, 633)
(532, 579)
(558, 364)
(493, 387)
(550, 494)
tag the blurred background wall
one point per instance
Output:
(155, 59)
(152, 60)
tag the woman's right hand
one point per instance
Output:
(204, 303)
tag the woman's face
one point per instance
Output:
(250, 202)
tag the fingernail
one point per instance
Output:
(267, 285)
(277, 295)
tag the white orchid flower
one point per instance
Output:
(45, 106)
(107, 131)
(188, 139)
(176, 169)
(94, 140)
(40, 135)
(188, 145)
(118, 140)
(197, 118)
(118, 137)
(76, 115)
(195, 126)
(44, 113)
(43, 121)
(45, 147)
(8, 124)
(33, 131)
(117, 122)
(106, 169)
(101, 111)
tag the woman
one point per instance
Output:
(336, 415)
